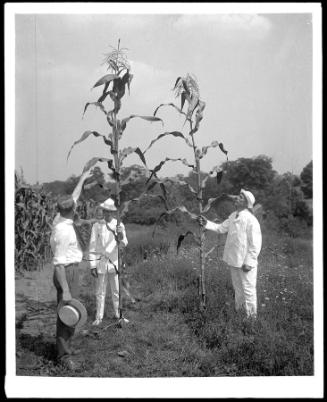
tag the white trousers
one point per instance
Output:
(100, 293)
(244, 284)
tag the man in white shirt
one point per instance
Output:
(104, 257)
(67, 254)
(242, 247)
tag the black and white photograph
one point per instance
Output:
(163, 200)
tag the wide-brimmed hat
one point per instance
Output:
(249, 197)
(72, 313)
(108, 205)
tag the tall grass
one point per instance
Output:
(168, 335)
(278, 343)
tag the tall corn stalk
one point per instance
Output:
(188, 91)
(114, 85)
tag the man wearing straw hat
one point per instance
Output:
(242, 247)
(104, 258)
(67, 254)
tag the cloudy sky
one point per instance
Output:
(254, 72)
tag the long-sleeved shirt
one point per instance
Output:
(103, 243)
(244, 240)
(64, 244)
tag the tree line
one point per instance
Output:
(286, 198)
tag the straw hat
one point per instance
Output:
(108, 205)
(72, 313)
(249, 197)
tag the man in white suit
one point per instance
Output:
(242, 247)
(104, 257)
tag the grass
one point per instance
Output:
(169, 337)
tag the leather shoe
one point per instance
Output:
(67, 363)
(74, 351)
(97, 322)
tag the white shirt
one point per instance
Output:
(244, 240)
(65, 247)
(103, 242)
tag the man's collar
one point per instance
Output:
(63, 219)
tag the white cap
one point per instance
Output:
(249, 197)
(109, 205)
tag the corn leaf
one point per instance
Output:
(174, 133)
(193, 103)
(94, 161)
(129, 150)
(169, 104)
(103, 96)
(130, 77)
(221, 146)
(105, 79)
(182, 237)
(159, 166)
(183, 98)
(177, 81)
(119, 88)
(141, 155)
(85, 135)
(204, 150)
(219, 176)
(148, 118)
(220, 198)
(97, 104)
(162, 187)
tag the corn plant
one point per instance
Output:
(34, 212)
(188, 91)
(114, 87)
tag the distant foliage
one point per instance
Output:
(306, 179)
(34, 212)
(286, 207)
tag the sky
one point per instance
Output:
(254, 72)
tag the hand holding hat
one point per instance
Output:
(72, 313)
(66, 296)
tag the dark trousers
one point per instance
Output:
(64, 334)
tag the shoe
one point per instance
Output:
(74, 351)
(97, 322)
(67, 363)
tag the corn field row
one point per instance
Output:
(34, 213)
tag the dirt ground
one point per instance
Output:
(36, 324)
(36, 321)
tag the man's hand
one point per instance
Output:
(201, 220)
(94, 272)
(66, 296)
(120, 233)
(88, 173)
(246, 268)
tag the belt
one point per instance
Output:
(71, 264)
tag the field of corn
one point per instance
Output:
(167, 335)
